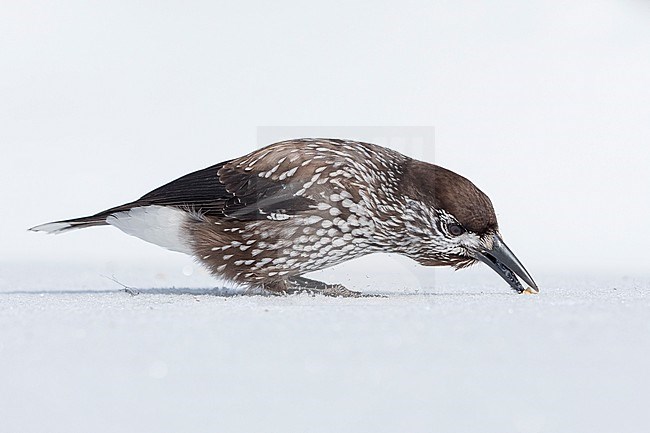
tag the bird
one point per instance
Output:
(265, 219)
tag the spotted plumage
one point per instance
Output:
(297, 206)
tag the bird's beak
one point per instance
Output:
(504, 262)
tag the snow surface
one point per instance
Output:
(465, 354)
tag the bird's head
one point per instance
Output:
(452, 223)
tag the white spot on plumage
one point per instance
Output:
(335, 197)
(308, 230)
(288, 173)
(270, 172)
(313, 219)
(276, 216)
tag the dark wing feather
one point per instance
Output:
(226, 191)
(254, 197)
(201, 190)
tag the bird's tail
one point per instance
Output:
(57, 227)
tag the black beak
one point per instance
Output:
(504, 262)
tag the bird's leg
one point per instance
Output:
(295, 285)
(302, 284)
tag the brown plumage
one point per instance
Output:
(267, 218)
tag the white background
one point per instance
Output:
(544, 105)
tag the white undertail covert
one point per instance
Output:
(160, 225)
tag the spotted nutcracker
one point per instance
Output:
(297, 206)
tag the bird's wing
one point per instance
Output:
(285, 178)
(200, 190)
(288, 177)
(225, 190)
(253, 197)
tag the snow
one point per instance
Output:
(79, 354)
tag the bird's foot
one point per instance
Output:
(302, 284)
(296, 285)
(336, 290)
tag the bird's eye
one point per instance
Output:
(456, 229)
